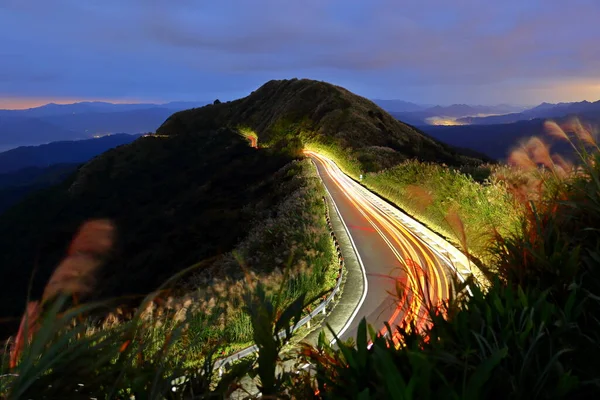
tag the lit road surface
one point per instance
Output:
(391, 257)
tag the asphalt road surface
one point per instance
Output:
(404, 275)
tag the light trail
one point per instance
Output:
(423, 270)
(253, 141)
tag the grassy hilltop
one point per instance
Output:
(197, 190)
(308, 113)
(364, 139)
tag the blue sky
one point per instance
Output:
(426, 51)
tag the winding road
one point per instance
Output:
(403, 274)
(400, 268)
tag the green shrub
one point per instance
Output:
(485, 209)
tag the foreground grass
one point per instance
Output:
(290, 246)
(141, 358)
(289, 253)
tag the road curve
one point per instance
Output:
(403, 274)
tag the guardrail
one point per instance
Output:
(320, 309)
(455, 258)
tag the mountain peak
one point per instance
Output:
(317, 113)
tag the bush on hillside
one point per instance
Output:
(485, 208)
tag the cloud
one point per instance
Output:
(436, 50)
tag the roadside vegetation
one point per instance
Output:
(313, 113)
(176, 202)
(436, 194)
(532, 334)
(295, 115)
(289, 250)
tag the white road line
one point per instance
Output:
(362, 266)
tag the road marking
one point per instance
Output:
(406, 240)
(362, 266)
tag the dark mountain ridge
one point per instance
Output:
(53, 122)
(19, 184)
(497, 140)
(74, 151)
(176, 201)
(544, 110)
(314, 112)
(195, 189)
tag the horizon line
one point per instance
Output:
(26, 104)
(23, 104)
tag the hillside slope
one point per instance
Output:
(176, 201)
(318, 113)
(16, 185)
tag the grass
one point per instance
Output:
(292, 115)
(291, 243)
(430, 192)
(349, 164)
(170, 336)
(534, 332)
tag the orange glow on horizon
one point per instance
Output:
(23, 103)
(566, 91)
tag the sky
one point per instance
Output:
(424, 51)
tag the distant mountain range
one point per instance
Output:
(442, 115)
(497, 140)
(69, 152)
(544, 110)
(496, 135)
(25, 170)
(399, 105)
(84, 107)
(459, 110)
(83, 120)
(464, 114)
(68, 122)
